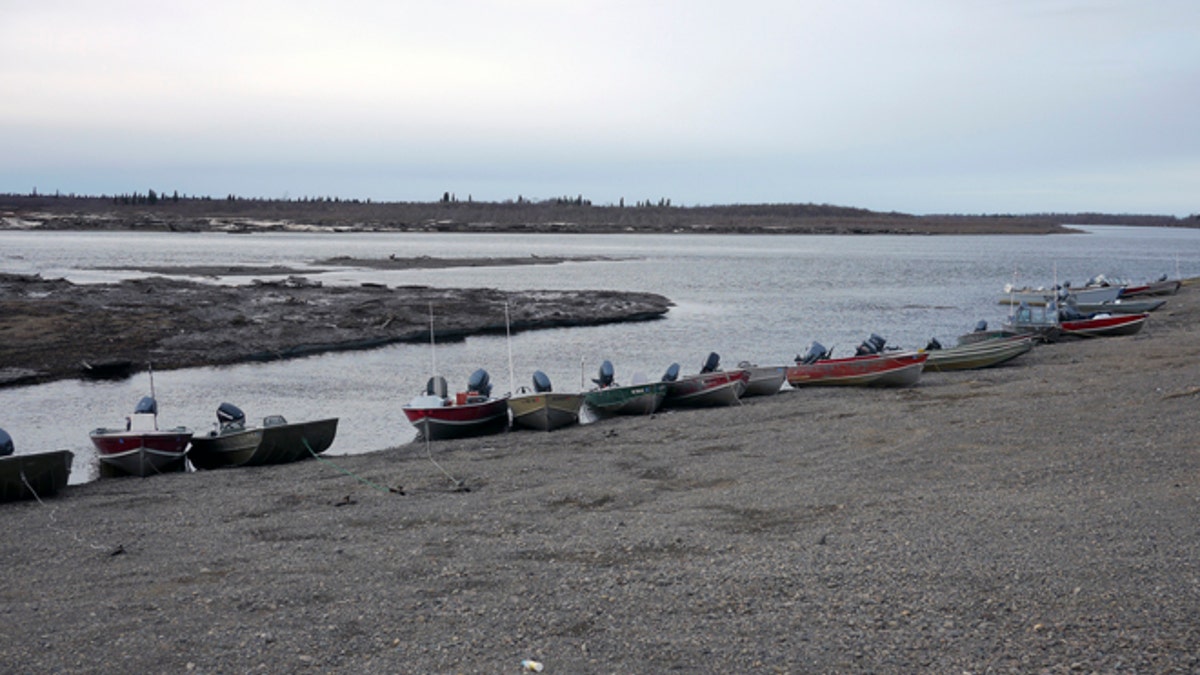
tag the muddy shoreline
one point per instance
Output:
(177, 323)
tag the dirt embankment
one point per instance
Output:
(48, 327)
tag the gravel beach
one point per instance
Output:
(1039, 517)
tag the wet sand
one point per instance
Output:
(1037, 517)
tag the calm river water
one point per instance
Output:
(756, 298)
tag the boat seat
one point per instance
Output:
(274, 421)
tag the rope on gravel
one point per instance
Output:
(353, 475)
(54, 525)
(458, 483)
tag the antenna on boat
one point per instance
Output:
(150, 370)
(508, 338)
(432, 346)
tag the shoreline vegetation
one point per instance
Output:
(154, 212)
(1037, 517)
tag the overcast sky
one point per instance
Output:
(919, 106)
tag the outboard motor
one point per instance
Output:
(1070, 312)
(1063, 294)
(981, 326)
(436, 386)
(1162, 278)
(541, 382)
(6, 444)
(712, 363)
(672, 373)
(816, 352)
(872, 345)
(479, 383)
(606, 375)
(933, 344)
(147, 406)
(229, 416)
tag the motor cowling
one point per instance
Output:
(712, 363)
(436, 386)
(147, 405)
(6, 444)
(672, 373)
(872, 345)
(480, 383)
(816, 352)
(605, 378)
(981, 326)
(933, 344)
(541, 382)
(228, 413)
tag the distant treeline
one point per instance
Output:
(155, 209)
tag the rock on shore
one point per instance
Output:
(1038, 517)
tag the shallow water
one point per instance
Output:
(756, 298)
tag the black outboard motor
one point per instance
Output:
(606, 375)
(872, 345)
(147, 405)
(541, 382)
(479, 383)
(672, 373)
(436, 386)
(6, 444)
(712, 363)
(1162, 278)
(816, 352)
(229, 413)
(981, 326)
(933, 344)
(1070, 312)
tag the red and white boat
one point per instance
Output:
(1103, 325)
(1162, 286)
(474, 412)
(710, 387)
(878, 369)
(141, 448)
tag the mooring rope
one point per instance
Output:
(458, 484)
(54, 525)
(353, 475)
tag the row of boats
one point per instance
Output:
(142, 448)
(1112, 309)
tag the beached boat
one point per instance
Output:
(1103, 325)
(543, 408)
(763, 380)
(1121, 305)
(474, 412)
(981, 333)
(112, 369)
(141, 448)
(877, 369)
(1059, 294)
(982, 354)
(277, 441)
(609, 398)
(1160, 286)
(1040, 322)
(710, 387)
(33, 476)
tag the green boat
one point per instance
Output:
(983, 354)
(630, 399)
